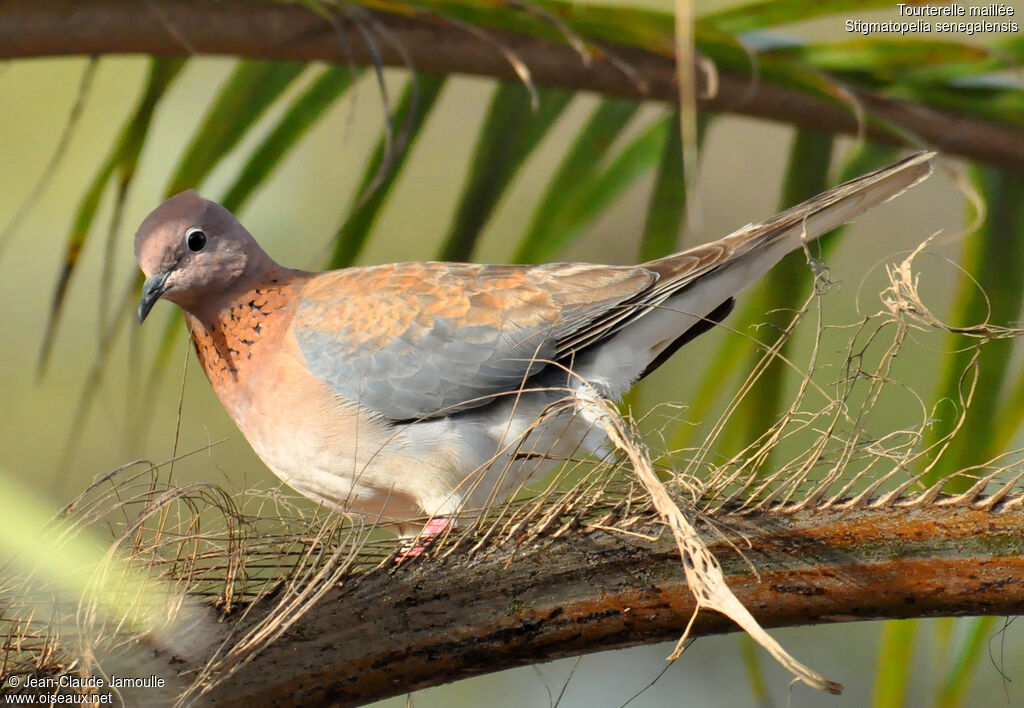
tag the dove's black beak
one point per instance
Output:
(152, 289)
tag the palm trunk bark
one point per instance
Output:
(397, 630)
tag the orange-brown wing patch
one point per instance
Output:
(420, 339)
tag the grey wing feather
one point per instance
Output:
(440, 375)
(522, 318)
(808, 220)
(435, 365)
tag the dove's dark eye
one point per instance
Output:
(195, 239)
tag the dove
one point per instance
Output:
(411, 393)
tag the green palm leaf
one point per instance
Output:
(511, 131)
(250, 90)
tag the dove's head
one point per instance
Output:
(194, 253)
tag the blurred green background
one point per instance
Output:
(295, 215)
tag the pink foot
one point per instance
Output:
(413, 547)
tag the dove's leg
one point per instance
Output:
(413, 547)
